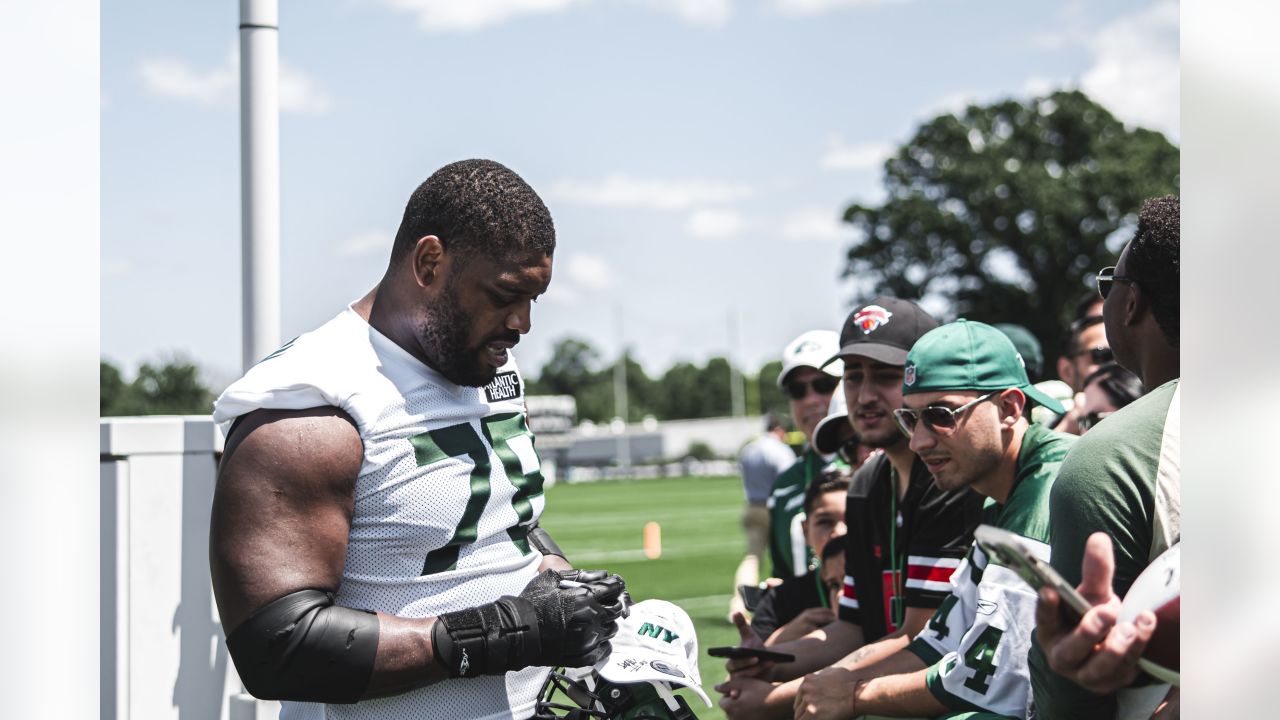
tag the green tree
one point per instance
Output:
(771, 398)
(1004, 210)
(572, 366)
(171, 387)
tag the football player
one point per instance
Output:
(374, 536)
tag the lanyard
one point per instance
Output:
(896, 610)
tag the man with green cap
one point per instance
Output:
(966, 399)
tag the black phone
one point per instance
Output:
(750, 596)
(736, 652)
(1013, 553)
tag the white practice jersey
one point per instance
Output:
(448, 487)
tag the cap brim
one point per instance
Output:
(1043, 399)
(613, 672)
(828, 435)
(887, 354)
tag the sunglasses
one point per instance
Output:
(823, 385)
(1090, 420)
(940, 420)
(1107, 278)
(1100, 355)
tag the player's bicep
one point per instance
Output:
(282, 507)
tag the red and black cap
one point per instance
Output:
(883, 330)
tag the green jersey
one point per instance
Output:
(976, 643)
(789, 554)
(1122, 478)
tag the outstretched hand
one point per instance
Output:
(1098, 654)
(748, 667)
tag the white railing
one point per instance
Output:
(162, 649)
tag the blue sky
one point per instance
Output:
(695, 155)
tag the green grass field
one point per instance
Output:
(600, 525)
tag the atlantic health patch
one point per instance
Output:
(506, 386)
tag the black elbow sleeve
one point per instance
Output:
(303, 647)
(541, 540)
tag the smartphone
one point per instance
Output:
(734, 653)
(750, 596)
(1013, 552)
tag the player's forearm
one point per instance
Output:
(898, 695)
(406, 658)
(818, 649)
(875, 652)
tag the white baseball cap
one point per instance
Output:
(812, 349)
(655, 643)
(833, 430)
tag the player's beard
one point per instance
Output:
(443, 333)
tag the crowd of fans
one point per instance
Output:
(916, 433)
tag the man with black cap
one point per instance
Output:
(905, 533)
(965, 406)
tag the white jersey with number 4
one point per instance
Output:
(448, 487)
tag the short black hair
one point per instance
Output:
(831, 480)
(1086, 301)
(476, 206)
(1121, 386)
(1071, 340)
(772, 421)
(1152, 261)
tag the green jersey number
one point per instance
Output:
(938, 623)
(980, 658)
(462, 440)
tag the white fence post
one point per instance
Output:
(163, 653)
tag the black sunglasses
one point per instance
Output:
(1099, 355)
(823, 385)
(1107, 278)
(941, 420)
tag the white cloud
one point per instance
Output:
(814, 224)
(115, 267)
(470, 15)
(1135, 72)
(867, 156)
(817, 7)
(175, 79)
(299, 93)
(715, 224)
(622, 191)
(366, 243)
(218, 86)
(705, 13)
(589, 272)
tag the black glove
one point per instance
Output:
(558, 619)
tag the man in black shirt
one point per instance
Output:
(905, 535)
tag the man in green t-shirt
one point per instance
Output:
(966, 409)
(1121, 481)
(808, 386)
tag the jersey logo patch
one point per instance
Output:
(506, 386)
(986, 607)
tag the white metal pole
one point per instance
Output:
(259, 178)
(620, 394)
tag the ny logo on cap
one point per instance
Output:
(870, 318)
(909, 374)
